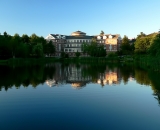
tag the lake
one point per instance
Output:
(79, 97)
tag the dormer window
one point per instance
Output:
(110, 36)
(104, 37)
(99, 37)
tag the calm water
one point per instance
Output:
(79, 96)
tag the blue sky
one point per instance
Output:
(124, 17)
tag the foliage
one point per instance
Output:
(125, 46)
(111, 54)
(143, 43)
(102, 33)
(154, 50)
(62, 54)
(37, 50)
(49, 49)
(24, 47)
(66, 55)
(78, 54)
(94, 39)
(94, 49)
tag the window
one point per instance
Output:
(99, 37)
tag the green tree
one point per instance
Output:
(125, 46)
(66, 55)
(94, 39)
(94, 49)
(14, 43)
(154, 49)
(62, 54)
(37, 50)
(142, 45)
(34, 38)
(5, 34)
(22, 50)
(78, 54)
(49, 48)
(25, 38)
(102, 33)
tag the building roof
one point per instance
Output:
(78, 33)
(79, 37)
(58, 36)
(115, 36)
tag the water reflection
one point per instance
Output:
(78, 75)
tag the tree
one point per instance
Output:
(5, 34)
(25, 38)
(102, 33)
(62, 54)
(154, 49)
(78, 54)
(49, 49)
(22, 50)
(14, 43)
(125, 46)
(34, 38)
(142, 45)
(94, 49)
(37, 50)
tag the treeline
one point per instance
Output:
(142, 45)
(24, 46)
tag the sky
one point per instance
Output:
(43, 17)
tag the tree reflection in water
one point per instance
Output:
(78, 75)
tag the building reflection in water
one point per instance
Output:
(51, 82)
(74, 75)
(70, 74)
(109, 77)
(75, 78)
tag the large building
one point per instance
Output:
(72, 43)
(112, 42)
(58, 41)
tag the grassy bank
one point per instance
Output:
(28, 61)
(143, 61)
(148, 62)
(32, 61)
(91, 59)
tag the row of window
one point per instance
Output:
(59, 40)
(72, 50)
(101, 41)
(73, 45)
(85, 41)
(70, 41)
